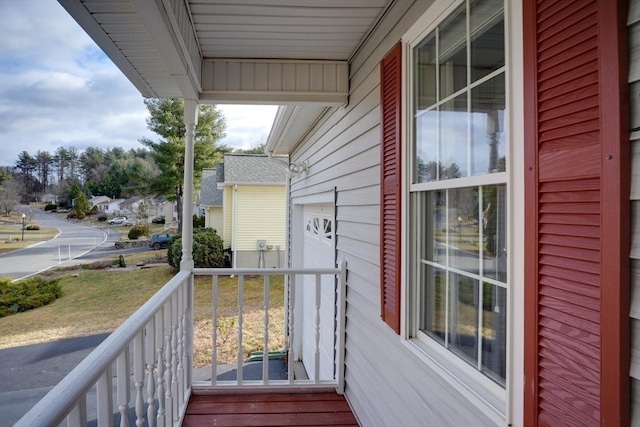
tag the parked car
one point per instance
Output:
(129, 223)
(117, 220)
(158, 220)
(161, 240)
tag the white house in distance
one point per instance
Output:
(245, 201)
(476, 163)
(99, 201)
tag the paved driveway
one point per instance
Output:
(28, 373)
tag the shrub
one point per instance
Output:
(198, 221)
(137, 231)
(92, 211)
(72, 215)
(50, 207)
(28, 294)
(208, 251)
(102, 217)
(32, 227)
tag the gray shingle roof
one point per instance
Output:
(209, 193)
(252, 169)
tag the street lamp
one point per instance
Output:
(24, 220)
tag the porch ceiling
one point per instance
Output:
(232, 51)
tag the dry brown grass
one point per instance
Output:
(227, 327)
(98, 301)
(11, 234)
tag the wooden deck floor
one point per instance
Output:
(309, 407)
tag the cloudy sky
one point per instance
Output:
(57, 88)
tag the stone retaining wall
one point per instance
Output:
(126, 244)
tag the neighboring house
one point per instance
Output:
(49, 198)
(165, 208)
(130, 206)
(475, 163)
(111, 207)
(98, 201)
(210, 200)
(245, 199)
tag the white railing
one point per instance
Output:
(155, 342)
(294, 278)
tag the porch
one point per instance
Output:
(143, 373)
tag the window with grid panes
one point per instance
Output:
(457, 221)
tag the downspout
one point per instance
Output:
(288, 205)
(234, 217)
(190, 121)
(287, 239)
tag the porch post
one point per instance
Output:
(190, 121)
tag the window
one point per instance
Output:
(458, 188)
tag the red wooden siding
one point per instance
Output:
(576, 286)
(390, 100)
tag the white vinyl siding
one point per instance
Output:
(343, 152)
(634, 97)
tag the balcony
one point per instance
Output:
(143, 373)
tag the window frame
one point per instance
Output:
(492, 398)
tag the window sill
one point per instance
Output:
(482, 392)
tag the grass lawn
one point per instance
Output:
(11, 234)
(98, 301)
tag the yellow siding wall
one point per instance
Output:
(261, 215)
(214, 219)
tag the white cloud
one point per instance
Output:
(57, 88)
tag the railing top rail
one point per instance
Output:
(59, 401)
(263, 271)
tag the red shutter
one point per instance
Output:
(390, 100)
(576, 289)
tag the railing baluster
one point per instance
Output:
(122, 387)
(150, 355)
(104, 397)
(168, 373)
(290, 343)
(189, 335)
(173, 394)
(160, 367)
(180, 371)
(316, 353)
(214, 335)
(138, 376)
(78, 415)
(240, 326)
(265, 351)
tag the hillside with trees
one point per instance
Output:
(154, 170)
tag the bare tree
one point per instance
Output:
(9, 196)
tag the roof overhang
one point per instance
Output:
(240, 52)
(290, 126)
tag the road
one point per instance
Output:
(72, 245)
(28, 373)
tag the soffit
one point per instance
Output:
(162, 45)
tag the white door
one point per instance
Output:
(318, 252)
